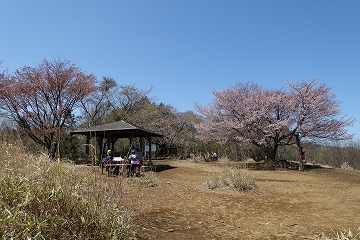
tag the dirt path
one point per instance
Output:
(289, 205)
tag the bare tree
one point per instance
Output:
(131, 98)
(99, 103)
(41, 99)
(176, 127)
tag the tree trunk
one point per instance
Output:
(273, 152)
(301, 163)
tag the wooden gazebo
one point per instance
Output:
(107, 134)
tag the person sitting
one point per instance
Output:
(135, 163)
(107, 159)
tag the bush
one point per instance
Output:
(41, 199)
(234, 178)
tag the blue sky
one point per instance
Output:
(186, 48)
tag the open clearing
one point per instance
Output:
(289, 205)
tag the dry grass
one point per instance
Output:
(147, 180)
(234, 178)
(342, 235)
(42, 199)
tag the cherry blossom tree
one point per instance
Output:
(250, 114)
(316, 114)
(41, 99)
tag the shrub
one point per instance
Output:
(234, 178)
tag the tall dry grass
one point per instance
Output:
(42, 199)
(233, 178)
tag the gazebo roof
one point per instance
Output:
(119, 129)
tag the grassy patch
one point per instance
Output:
(146, 180)
(233, 178)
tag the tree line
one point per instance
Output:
(42, 103)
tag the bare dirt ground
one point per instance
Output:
(289, 205)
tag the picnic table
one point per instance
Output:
(116, 167)
(120, 166)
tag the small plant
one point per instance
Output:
(342, 235)
(234, 178)
(346, 165)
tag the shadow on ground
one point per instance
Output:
(162, 167)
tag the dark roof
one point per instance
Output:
(119, 129)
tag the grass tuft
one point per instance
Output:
(146, 180)
(233, 178)
(345, 234)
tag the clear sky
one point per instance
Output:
(186, 48)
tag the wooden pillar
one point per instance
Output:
(142, 148)
(87, 147)
(131, 140)
(150, 151)
(108, 137)
(100, 141)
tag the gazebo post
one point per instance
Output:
(131, 140)
(109, 140)
(142, 148)
(150, 151)
(87, 151)
(100, 141)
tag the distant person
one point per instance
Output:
(214, 156)
(302, 156)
